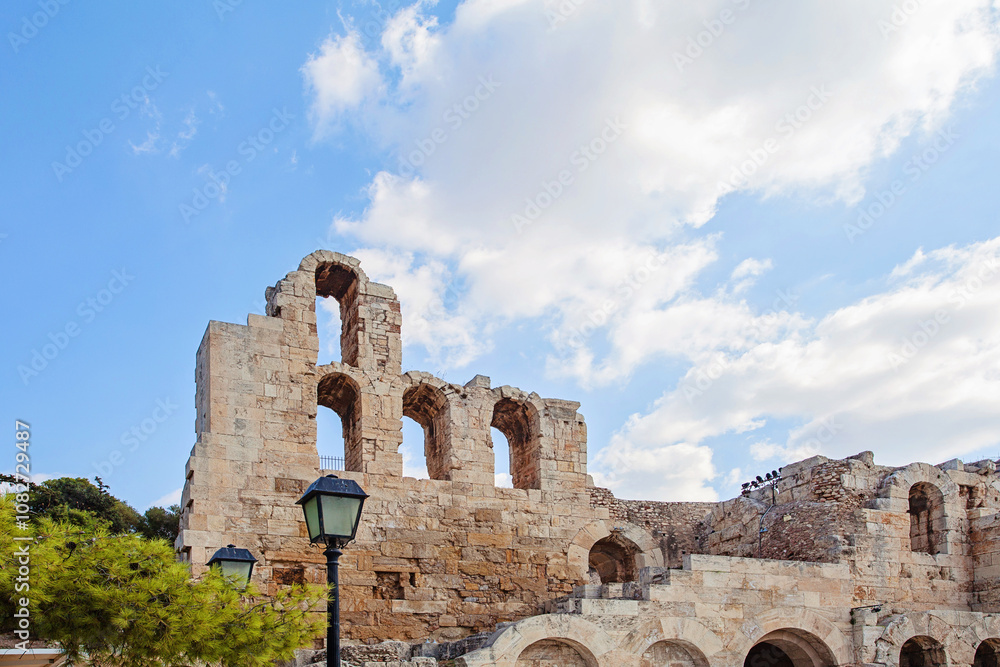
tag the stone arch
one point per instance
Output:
(901, 628)
(964, 648)
(789, 647)
(519, 421)
(809, 640)
(341, 393)
(922, 651)
(893, 494)
(555, 653)
(700, 643)
(647, 552)
(426, 403)
(987, 653)
(342, 280)
(588, 640)
(613, 559)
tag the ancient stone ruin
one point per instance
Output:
(854, 564)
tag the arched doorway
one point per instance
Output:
(790, 647)
(613, 559)
(988, 653)
(766, 654)
(555, 653)
(922, 651)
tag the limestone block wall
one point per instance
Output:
(446, 557)
(442, 557)
(711, 612)
(729, 612)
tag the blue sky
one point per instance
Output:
(653, 208)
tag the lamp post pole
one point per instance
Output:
(333, 610)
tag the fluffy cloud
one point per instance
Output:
(558, 161)
(912, 372)
(341, 76)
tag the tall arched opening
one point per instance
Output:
(340, 393)
(428, 406)
(519, 424)
(341, 283)
(926, 510)
(922, 651)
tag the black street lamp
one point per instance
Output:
(333, 510)
(236, 564)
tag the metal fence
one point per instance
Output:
(331, 462)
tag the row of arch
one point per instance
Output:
(428, 402)
(779, 638)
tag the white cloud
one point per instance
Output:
(912, 372)
(483, 115)
(185, 135)
(340, 77)
(562, 169)
(172, 498)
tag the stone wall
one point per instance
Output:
(445, 558)
(435, 558)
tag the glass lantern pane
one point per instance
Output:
(339, 515)
(311, 507)
(239, 570)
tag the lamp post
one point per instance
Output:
(332, 507)
(234, 563)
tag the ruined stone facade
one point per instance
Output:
(856, 563)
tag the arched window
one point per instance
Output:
(921, 652)
(341, 283)
(519, 424)
(339, 393)
(926, 518)
(613, 560)
(427, 406)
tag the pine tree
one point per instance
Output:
(122, 600)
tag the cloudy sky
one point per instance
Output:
(739, 232)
